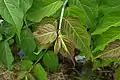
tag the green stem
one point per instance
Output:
(42, 54)
(36, 62)
(9, 38)
(61, 17)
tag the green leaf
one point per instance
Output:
(90, 9)
(104, 39)
(67, 47)
(21, 75)
(33, 56)
(76, 12)
(106, 22)
(50, 59)
(41, 9)
(11, 12)
(28, 44)
(117, 74)
(111, 51)
(108, 6)
(26, 65)
(45, 33)
(5, 54)
(1, 37)
(7, 29)
(78, 33)
(75, 2)
(39, 72)
(30, 77)
(41, 47)
(25, 5)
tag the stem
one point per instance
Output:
(9, 38)
(61, 17)
(36, 62)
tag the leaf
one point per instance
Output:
(117, 74)
(13, 12)
(25, 5)
(111, 51)
(5, 54)
(45, 33)
(104, 39)
(9, 10)
(39, 72)
(67, 47)
(28, 44)
(30, 77)
(50, 56)
(78, 34)
(21, 75)
(57, 45)
(76, 12)
(7, 30)
(33, 56)
(41, 47)
(74, 2)
(108, 6)
(102, 62)
(90, 9)
(26, 65)
(41, 9)
(107, 22)
(1, 37)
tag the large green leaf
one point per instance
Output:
(111, 51)
(76, 12)
(108, 6)
(39, 72)
(78, 33)
(13, 11)
(5, 54)
(45, 33)
(112, 19)
(41, 9)
(9, 10)
(104, 39)
(50, 56)
(28, 44)
(90, 9)
(25, 5)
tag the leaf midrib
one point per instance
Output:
(9, 11)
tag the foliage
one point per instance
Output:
(34, 33)
(50, 59)
(6, 55)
